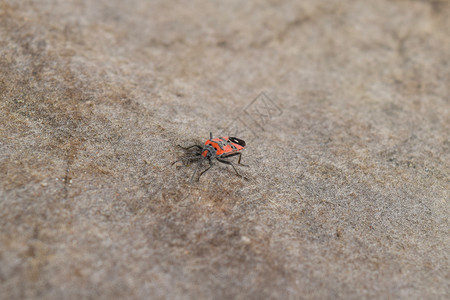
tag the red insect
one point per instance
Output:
(218, 148)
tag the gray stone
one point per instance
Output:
(347, 191)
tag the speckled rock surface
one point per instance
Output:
(348, 186)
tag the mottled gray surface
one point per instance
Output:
(348, 189)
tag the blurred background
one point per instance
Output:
(345, 109)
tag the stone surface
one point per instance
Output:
(347, 190)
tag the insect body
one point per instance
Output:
(218, 148)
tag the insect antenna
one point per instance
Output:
(187, 158)
(190, 147)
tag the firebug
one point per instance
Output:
(218, 148)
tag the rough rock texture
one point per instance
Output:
(348, 187)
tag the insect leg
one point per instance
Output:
(196, 169)
(210, 165)
(229, 163)
(234, 154)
